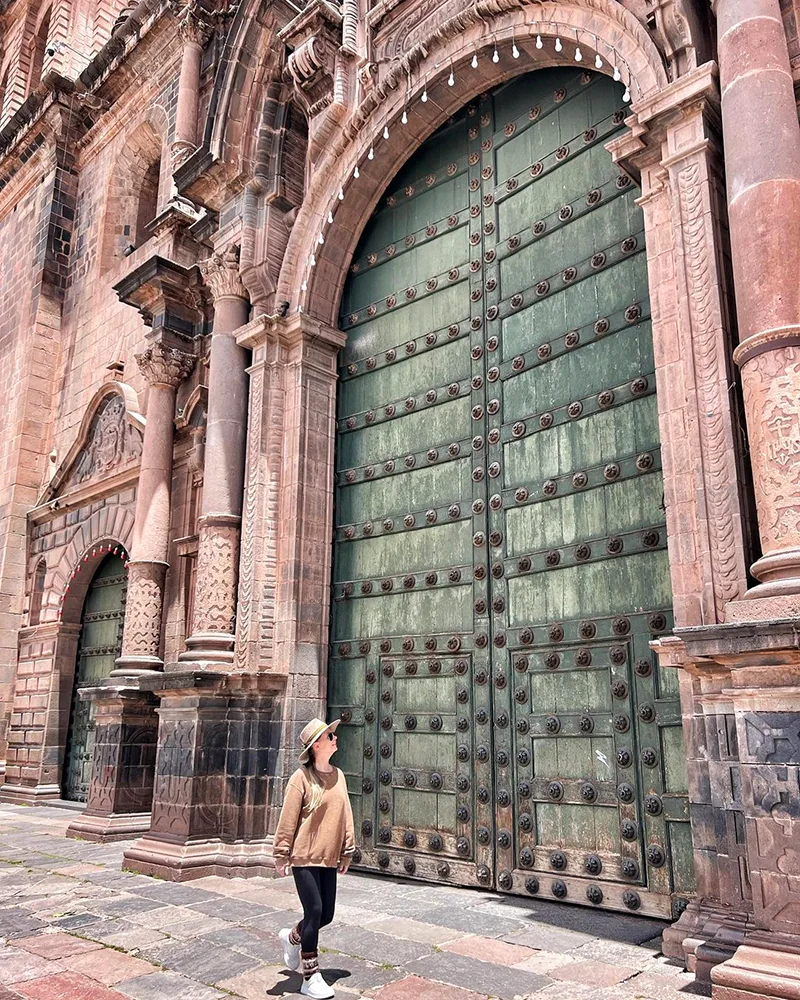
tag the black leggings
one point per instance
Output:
(316, 888)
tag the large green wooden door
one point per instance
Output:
(500, 549)
(99, 646)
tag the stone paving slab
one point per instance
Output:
(383, 949)
(55, 946)
(128, 937)
(66, 986)
(163, 985)
(108, 967)
(414, 988)
(413, 930)
(200, 959)
(16, 966)
(489, 950)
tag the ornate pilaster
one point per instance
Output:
(282, 624)
(212, 638)
(674, 144)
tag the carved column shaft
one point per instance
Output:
(195, 33)
(213, 625)
(762, 159)
(164, 368)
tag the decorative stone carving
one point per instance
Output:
(715, 429)
(111, 442)
(162, 365)
(770, 382)
(221, 273)
(142, 635)
(215, 590)
(320, 77)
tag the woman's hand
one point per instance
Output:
(281, 869)
(343, 866)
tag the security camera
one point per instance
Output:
(51, 50)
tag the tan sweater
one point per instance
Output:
(319, 836)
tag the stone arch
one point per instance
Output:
(107, 531)
(138, 188)
(603, 27)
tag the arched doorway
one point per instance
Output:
(500, 554)
(99, 646)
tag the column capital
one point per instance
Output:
(221, 273)
(163, 365)
(194, 23)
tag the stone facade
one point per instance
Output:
(182, 187)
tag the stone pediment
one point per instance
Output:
(109, 440)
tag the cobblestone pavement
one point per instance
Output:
(73, 926)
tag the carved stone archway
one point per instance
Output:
(602, 27)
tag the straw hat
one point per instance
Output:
(312, 732)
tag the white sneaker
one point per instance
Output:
(291, 952)
(317, 988)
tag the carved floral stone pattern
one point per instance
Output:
(714, 428)
(162, 365)
(221, 273)
(771, 384)
(215, 590)
(111, 442)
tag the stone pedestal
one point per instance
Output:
(743, 931)
(123, 766)
(217, 751)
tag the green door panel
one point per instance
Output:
(500, 561)
(99, 645)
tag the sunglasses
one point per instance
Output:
(331, 736)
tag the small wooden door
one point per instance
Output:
(99, 645)
(500, 552)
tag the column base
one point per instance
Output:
(208, 647)
(768, 968)
(108, 829)
(137, 666)
(184, 862)
(706, 934)
(28, 795)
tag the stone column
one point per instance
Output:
(195, 32)
(213, 624)
(762, 160)
(164, 368)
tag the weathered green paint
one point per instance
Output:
(99, 645)
(500, 552)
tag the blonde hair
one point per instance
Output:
(317, 788)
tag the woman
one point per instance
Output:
(315, 838)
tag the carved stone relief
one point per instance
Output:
(771, 382)
(111, 442)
